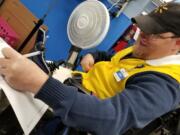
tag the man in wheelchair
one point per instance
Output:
(129, 89)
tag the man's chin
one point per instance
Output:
(140, 55)
(139, 52)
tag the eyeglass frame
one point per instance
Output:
(158, 36)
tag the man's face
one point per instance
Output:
(155, 46)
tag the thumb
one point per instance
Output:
(10, 53)
(87, 67)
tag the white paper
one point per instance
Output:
(27, 109)
(62, 74)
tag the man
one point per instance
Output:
(137, 85)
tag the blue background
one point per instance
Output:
(58, 45)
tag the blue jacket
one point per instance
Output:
(147, 96)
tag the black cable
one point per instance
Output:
(34, 30)
(37, 26)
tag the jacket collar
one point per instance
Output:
(172, 59)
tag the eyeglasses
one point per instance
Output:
(156, 36)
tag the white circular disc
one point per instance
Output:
(88, 24)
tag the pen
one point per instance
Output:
(32, 54)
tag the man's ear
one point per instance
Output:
(178, 41)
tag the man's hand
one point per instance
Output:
(87, 62)
(21, 73)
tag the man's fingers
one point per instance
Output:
(4, 63)
(3, 71)
(10, 53)
(86, 68)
